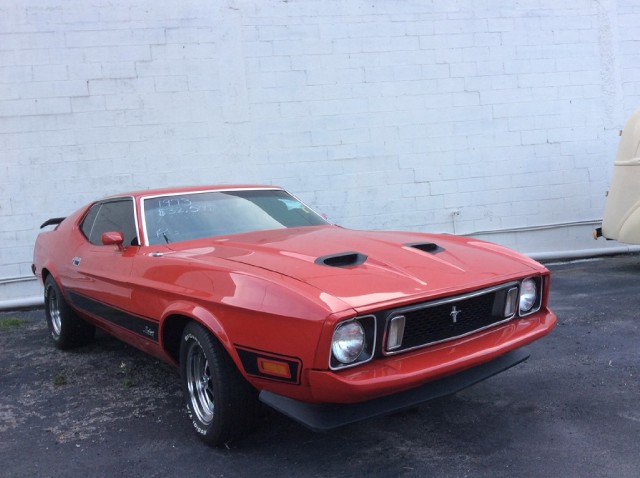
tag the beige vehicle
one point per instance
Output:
(621, 220)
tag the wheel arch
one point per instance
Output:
(175, 320)
(45, 273)
(171, 334)
(49, 269)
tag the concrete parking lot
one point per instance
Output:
(571, 410)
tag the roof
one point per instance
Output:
(190, 189)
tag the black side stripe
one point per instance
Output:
(138, 325)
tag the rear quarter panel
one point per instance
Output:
(54, 249)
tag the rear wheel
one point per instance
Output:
(221, 404)
(66, 328)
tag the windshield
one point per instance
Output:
(183, 217)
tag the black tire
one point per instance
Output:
(221, 403)
(67, 329)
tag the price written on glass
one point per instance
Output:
(176, 205)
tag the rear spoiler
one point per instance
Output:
(53, 221)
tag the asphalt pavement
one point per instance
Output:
(571, 410)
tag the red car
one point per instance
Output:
(255, 296)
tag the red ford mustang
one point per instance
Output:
(255, 296)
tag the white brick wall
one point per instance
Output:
(433, 116)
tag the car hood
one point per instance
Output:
(365, 268)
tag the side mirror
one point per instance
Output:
(113, 238)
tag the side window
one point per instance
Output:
(111, 216)
(89, 220)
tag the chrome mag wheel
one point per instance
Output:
(67, 329)
(54, 312)
(220, 402)
(199, 383)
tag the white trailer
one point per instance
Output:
(621, 221)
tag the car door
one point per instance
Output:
(100, 284)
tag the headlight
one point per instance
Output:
(348, 342)
(353, 342)
(528, 295)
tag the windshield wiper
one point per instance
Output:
(166, 239)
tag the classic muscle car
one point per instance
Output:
(254, 296)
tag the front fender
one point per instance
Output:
(198, 314)
(174, 319)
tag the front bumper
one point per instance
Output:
(326, 416)
(397, 373)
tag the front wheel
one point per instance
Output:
(66, 328)
(221, 404)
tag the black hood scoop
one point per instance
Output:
(353, 258)
(429, 247)
(343, 259)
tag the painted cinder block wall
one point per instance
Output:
(494, 119)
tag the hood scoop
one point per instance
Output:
(343, 259)
(429, 247)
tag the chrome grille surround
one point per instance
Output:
(449, 318)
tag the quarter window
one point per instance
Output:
(110, 216)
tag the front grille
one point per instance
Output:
(453, 317)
